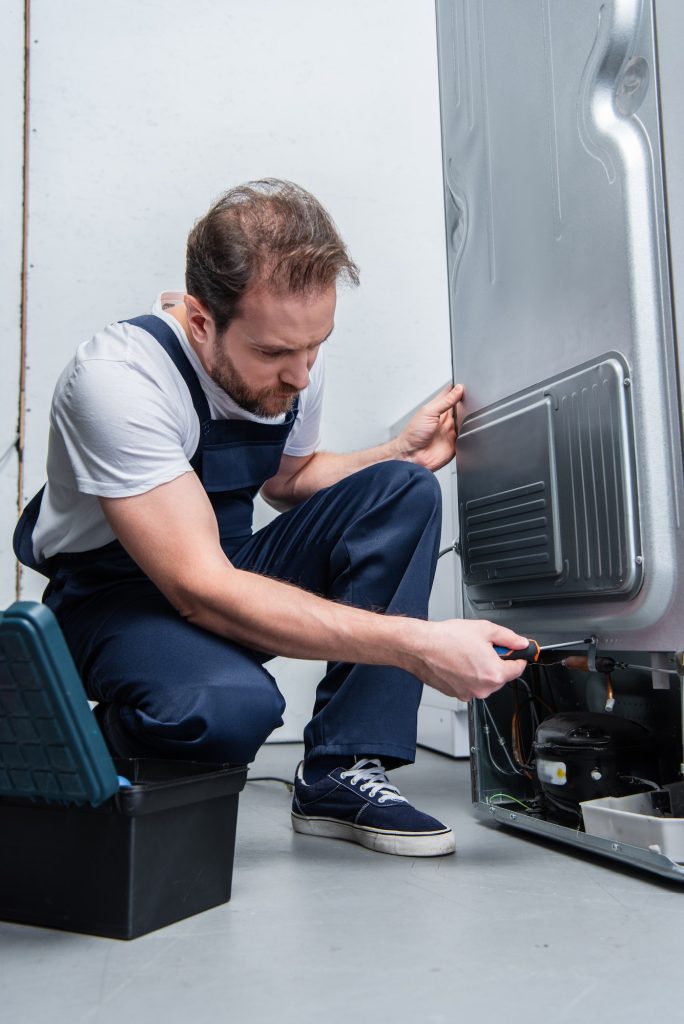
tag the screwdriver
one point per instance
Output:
(533, 650)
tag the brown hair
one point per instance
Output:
(271, 232)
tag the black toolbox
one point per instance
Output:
(152, 854)
(115, 848)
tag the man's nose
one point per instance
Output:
(296, 373)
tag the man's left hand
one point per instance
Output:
(429, 439)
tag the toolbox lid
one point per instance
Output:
(51, 747)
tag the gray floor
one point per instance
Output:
(509, 929)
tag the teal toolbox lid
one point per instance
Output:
(51, 747)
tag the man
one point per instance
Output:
(162, 431)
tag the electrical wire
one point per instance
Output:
(645, 668)
(445, 551)
(516, 729)
(514, 769)
(525, 761)
(540, 677)
(636, 778)
(273, 778)
(510, 798)
(492, 760)
(516, 734)
(544, 675)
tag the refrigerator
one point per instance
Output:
(563, 170)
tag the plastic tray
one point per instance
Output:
(633, 821)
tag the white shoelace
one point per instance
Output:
(371, 774)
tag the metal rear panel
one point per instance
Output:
(669, 16)
(558, 253)
(561, 523)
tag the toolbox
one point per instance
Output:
(91, 844)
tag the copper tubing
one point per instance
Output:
(609, 687)
(576, 663)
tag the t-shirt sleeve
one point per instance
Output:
(305, 436)
(122, 432)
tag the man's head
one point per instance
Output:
(261, 273)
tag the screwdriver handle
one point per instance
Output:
(529, 653)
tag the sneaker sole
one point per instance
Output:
(401, 844)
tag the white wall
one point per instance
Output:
(11, 219)
(141, 114)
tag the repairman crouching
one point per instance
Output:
(163, 429)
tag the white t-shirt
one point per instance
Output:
(122, 422)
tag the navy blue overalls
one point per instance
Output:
(169, 688)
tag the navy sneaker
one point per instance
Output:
(360, 805)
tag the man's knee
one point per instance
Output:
(237, 720)
(414, 488)
(425, 485)
(396, 475)
(218, 718)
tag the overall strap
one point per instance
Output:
(166, 337)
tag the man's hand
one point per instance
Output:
(457, 657)
(429, 439)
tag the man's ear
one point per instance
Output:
(200, 321)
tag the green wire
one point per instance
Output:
(508, 796)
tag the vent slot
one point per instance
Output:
(517, 541)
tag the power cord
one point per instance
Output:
(273, 778)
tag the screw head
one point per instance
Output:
(632, 86)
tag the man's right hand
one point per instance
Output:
(457, 657)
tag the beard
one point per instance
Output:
(268, 402)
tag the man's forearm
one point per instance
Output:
(455, 657)
(327, 468)
(281, 619)
(429, 439)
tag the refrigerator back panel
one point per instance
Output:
(563, 524)
(560, 225)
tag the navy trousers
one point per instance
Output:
(168, 688)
